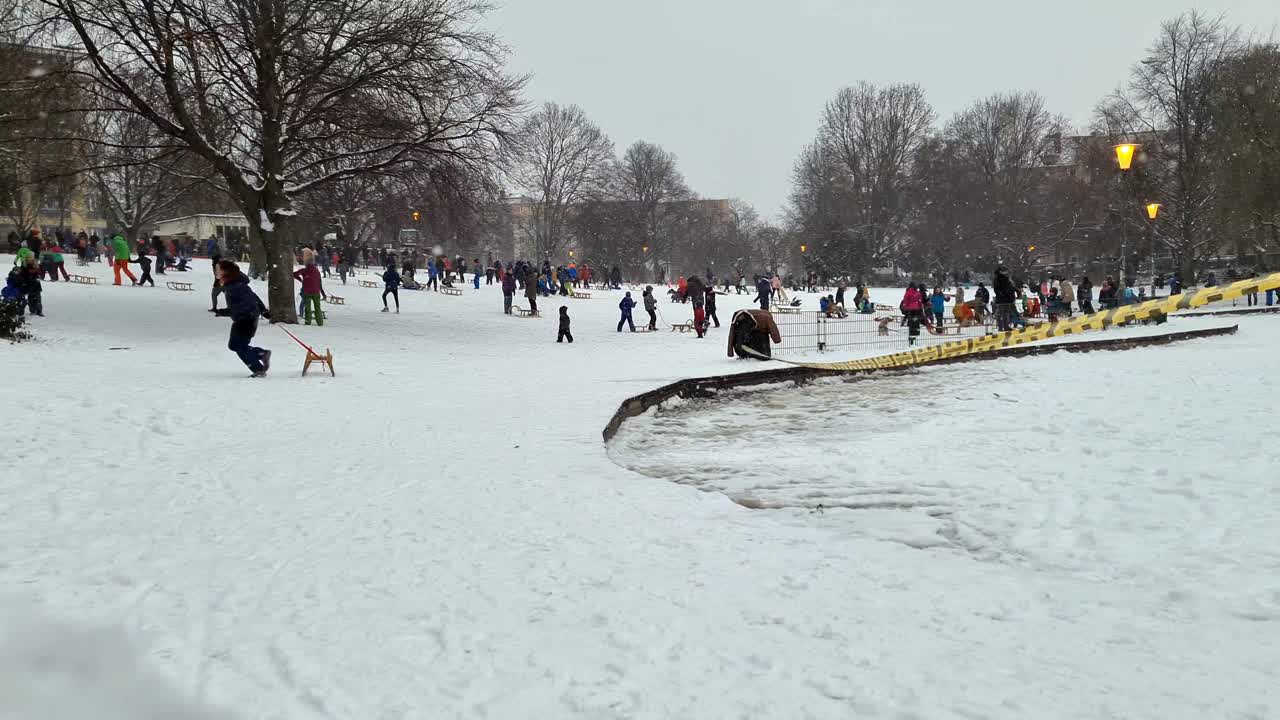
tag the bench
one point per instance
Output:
(683, 327)
(84, 279)
(335, 300)
(785, 309)
(524, 312)
(368, 284)
(180, 286)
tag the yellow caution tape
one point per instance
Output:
(1152, 309)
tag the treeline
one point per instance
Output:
(887, 184)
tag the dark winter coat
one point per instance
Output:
(650, 303)
(982, 295)
(564, 320)
(391, 278)
(243, 306)
(531, 285)
(143, 262)
(696, 291)
(508, 285)
(1006, 294)
(626, 304)
(711, 299)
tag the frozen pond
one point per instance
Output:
(1046, 462)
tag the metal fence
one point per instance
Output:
(880, 332)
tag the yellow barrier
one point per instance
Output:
(1043, 331)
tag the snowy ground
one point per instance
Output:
(438, 532)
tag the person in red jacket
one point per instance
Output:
(312, 287)
(913, 311)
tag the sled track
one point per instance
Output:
(705, 387)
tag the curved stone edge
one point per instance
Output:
(704, 387)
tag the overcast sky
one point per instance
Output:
(735, 87)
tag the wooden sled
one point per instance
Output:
(325, 360)
(784, 310)
(683, 327)
(335, 300)
(524, 312)
(581, 294)
(368, 284)
(84, 279)
(451, 290)
(179, 286)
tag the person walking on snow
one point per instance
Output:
(478, 269)
(144, 262)
(564, 333)
(913, 311)
(508, 291)
(531, 289)
(650, 306)
(312, 288)
(391, 279)
(697, 293)
(763, 291)
(625, 306)
(120, 251)
(1067, 295)
(244, 308)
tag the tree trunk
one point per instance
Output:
(273, 258)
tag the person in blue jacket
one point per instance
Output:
(938, 301)
(391, 279)
(432, 274)
(244, 308)
(763, 290)
(625, 306)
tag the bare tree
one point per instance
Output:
(1169, 106)
(1004, 146)
(1247, 149)
(647, 185)
(281, 97)
(851, 182)
(558, 159)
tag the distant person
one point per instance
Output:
(625, 306)
(120, 263)
(144, 263)
(563, 333)
(650, 306)
(508, 291)
(391, 286)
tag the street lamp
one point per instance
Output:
(1124, 158)
(1153, 210)
(804, 248)
(1125, 153)
(570, 253)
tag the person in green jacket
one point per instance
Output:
(120, 251)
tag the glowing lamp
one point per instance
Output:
(1153, 210)
(804, 248)
(1124, 154)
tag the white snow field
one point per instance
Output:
(438, 532)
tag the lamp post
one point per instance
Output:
(1124, 158)
(1153, 212)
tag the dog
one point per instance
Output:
(884, 325)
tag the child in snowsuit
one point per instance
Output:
(625, 306)
(938, 302)
(564, 333)
(475, 265)
(312, 289)
(711, 306)
(392, 280)
(244, 308)
(26, 280)
(650, 306)
(144, 262)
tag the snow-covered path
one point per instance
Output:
(438, 533)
